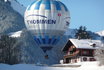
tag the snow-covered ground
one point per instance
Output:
(91, 66)
(15, 34)
(84, 66)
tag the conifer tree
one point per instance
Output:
(82, 33)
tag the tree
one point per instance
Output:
(7, 47)
(99, 53)
(82, 33)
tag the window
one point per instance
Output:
(84, 52)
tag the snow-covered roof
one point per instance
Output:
(84, 44)
(87, 43)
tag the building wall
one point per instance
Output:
(79, 55)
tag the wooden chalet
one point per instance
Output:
(80, 50)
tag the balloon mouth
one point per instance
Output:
(46, 48)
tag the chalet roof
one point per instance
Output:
(84, 44)
(87, 43)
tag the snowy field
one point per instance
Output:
(84, 66)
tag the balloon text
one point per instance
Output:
(41, 21)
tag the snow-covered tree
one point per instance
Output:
(7, 48)
(26, 48)
(99, 53)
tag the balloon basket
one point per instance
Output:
(46, 56)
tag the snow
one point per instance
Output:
(85, 66)
(15, 34)
(101, 33)
(18, 7)
(86, 43)
(29, 67)
(91, 66)
(5, 0)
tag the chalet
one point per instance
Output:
(80, 50)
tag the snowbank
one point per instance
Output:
(91, 66)
(85, 66)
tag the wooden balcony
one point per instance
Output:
(71, 55)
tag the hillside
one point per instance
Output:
(10, 20)
(101, 33)
(18, 7)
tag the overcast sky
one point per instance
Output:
(89, 13)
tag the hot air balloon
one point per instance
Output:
(47, 20)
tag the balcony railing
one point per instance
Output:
(71, 54)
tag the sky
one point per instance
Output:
(88, 13)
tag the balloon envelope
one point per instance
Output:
(47, 20)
